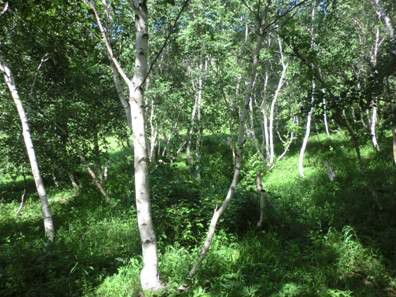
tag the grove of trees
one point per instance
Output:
(195, 119)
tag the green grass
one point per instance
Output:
(320, 238)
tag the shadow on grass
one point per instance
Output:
(92, 241)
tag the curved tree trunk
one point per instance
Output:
(304, 144)
(47, 216)
(309, 116)
(325, 121)
(273, 103)
(238, 162)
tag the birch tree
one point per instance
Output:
(309, 115)
(390, 29)
(273, 103)
(149, 275)
(49, 229)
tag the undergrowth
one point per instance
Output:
(320, 237)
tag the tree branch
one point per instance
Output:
(109, 49)
(5, 8)
(186, 2)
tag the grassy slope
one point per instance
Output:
(321, 238)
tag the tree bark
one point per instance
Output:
(45, 209)
(149, 276)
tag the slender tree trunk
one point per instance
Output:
(98, 184)
(326, 124)
(253, 132)
(47, 216)
(391, 34)
(373, 123)
(153, 132)
(354, 139)
(272, 110)
(238, 162)
(309, 116)
(195, 124)
(203, 70)
(265, 119)
(73, 181)
(374, 111)
(288, 143)
(306, 136)
(192, 126)
(266, 135)
(262, 194)
(22, 203)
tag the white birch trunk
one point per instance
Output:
(326, 124)
(265, 119)
(273, 103)
(391, 34)
(196, 116)
(192, 125)
(306, 135)
(373, 123)
(374, 108)
(149, 276)
(309, 116)
(47, 216)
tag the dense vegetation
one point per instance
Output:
(197, 148)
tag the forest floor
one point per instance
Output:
(320, 237)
